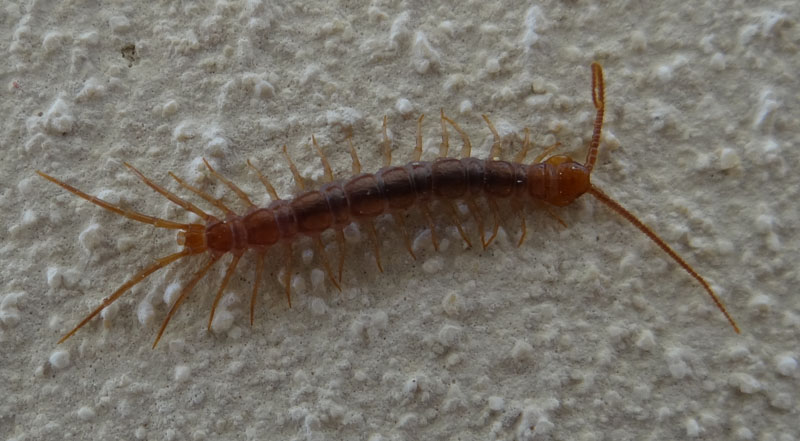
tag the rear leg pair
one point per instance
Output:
(186, 231)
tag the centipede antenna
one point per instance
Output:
(494, 153)
(167, 194)
(614, 205)
(130, 214)
(325, 264)
(325, 164)
(138, 277)
(342, 252)
(185, 292)
(374, 235)
(387, 145)
(457, 221)
(270, 189)
(225, 280)
(466, 148)
(212, 200)
(398, 217)
(445, 145)
(427, 212)
(599, 100)
(259, 269)
(418, 149)
(354, 156)
(239, 192)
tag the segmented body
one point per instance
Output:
(390, 190)
(558, 181)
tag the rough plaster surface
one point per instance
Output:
(586, 332)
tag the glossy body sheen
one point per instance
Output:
(391, 189)
(558, 180)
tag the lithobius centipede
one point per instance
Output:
(557, 180)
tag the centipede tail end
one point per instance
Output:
(160, 263)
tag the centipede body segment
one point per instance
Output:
(557, 180)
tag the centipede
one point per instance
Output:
(556, 180)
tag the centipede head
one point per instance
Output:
(572, 180)
(568, 178)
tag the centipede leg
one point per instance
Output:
(325, 164)
(301, 183)
(325, 264)
(354, 156)
(342, 250)
(495, 152)
(418, 149)
(270, 189)
(387, 145)
(517, 206)
(186, 205)
(473, 208)
(398, 217)
(546, 152)
(555, 216)
(184, 292)
(496, 214)
(133, 215)
(454, 215)
(138, 277)
(211, 199)
(257, 281)
(287, 278)
(427, 212)
(374, 234)
(445, 145)
(239, 192)
(225, 280)
(466, 148)
(526, 147)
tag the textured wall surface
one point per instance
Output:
(587, 332)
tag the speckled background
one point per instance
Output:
(586, 332)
